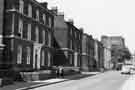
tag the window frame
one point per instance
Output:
(19, 54)
(50, 21)
(29, 31)
(21, 6)
(49, 39)
(37, 34)
(44, 18)
(37, 14)
(43, 37)
(28, 57)
(49, 59)
(43, 58)
(20, 27)
(29, 10)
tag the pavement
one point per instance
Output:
(109, 80)
(36, 84)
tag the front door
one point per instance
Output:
(36, 56)
(75, 59)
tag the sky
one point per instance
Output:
(101, 17)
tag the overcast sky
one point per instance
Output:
(101, 17)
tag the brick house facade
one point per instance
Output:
(27, 35)
(74, 44)
(67, 42)
(88, 62)
(99, 54)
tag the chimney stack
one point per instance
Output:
(54, 10)
(90, 36)
(44, 4)
(81, 29)
(71, 21)
(61, 14)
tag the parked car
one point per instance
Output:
(127, 69)
(132, 70)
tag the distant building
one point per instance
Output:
(107, 58)
(88, 62)
(107, 52)
(96, 53)
(99, 54)
(111, 43)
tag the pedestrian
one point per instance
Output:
(61, 72)
(57, 72)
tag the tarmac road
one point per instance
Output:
(111, 80)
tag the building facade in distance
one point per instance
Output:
(74, 44)
(113, 43)
(107, 52)
(88, 62)
(99, 54)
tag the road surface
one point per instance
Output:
(111, 80)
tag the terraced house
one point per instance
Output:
(88, 62)
(67, 44)
(99, 54)
(26, 29)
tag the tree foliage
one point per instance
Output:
(120, 54)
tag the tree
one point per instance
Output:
(119, 55)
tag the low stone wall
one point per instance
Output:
(37, 75)
(47, 74)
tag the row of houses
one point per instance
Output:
(33, 38)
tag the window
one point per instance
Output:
(37, 15)
(49, 59)
(30, 10)
(50, 22)
(20, 32)
(43, 59)
(37, 34)
(44, 18)
(71, 31)
(29, 32)
(19, 55)
(71, 61)
(28, 55)
(46, 37)
(75, 35)
(43, 37)
(70, 44)
(21, 6)
(49, 39)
